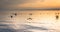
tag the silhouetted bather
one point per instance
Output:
(15, 14)
(30, 14)
(57, 16)
(11, 16)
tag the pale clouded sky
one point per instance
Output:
(5, 4)
(14, 3)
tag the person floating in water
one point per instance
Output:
(15, 14)
(29, 19)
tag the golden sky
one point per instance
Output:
(30, 3)
(41, 4)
